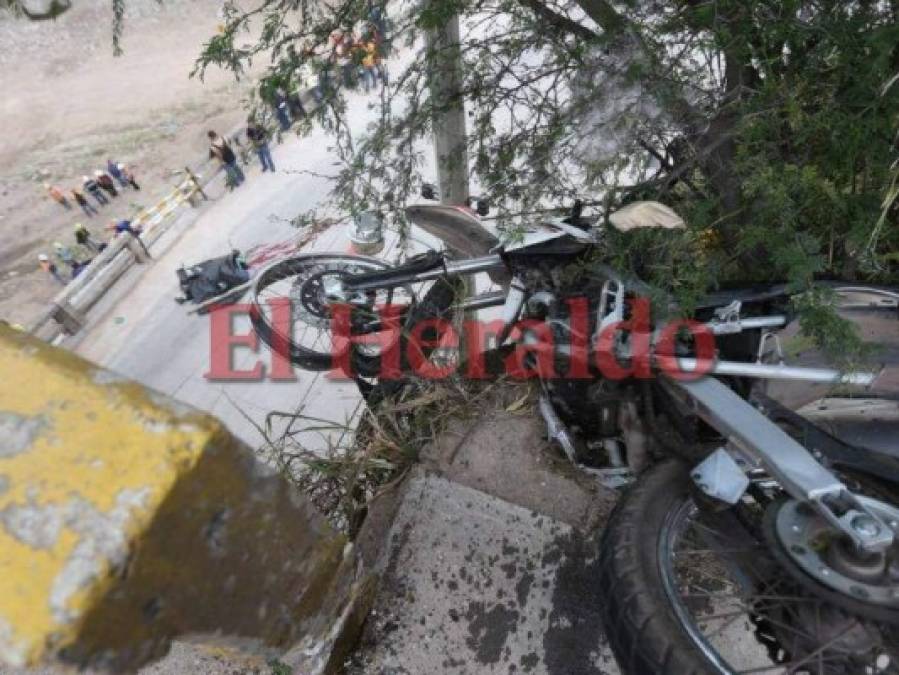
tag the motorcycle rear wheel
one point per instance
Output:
(673, 608)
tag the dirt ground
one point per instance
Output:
(68, 105)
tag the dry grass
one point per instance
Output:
(370, 453)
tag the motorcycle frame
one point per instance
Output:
(800, 474)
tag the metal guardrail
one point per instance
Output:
(67, 312)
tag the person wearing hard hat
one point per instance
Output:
(83, 238)
(112, 168)
(51, 269)
(64, 253)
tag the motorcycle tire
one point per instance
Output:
(641, 628)
(642, 622)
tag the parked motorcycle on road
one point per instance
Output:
(751, 537)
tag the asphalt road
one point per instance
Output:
(141, 333)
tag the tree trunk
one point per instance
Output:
(445, 82)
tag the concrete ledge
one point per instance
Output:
(127, 519)
(506, 455)
(474, 585)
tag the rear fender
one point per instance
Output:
(842, 448)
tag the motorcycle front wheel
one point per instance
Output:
(689, 588)
(306, 339)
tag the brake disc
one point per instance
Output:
(309, 301)
(806, 546)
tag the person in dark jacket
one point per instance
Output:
(94, 190)
(259, 138)
(114, 170)
(83, 238)
(282, 108)
(85, 205)
(220, 149)
(125, 227)
(104, 180)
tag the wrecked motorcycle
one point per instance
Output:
(756, 534)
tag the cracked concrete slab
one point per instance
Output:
(473, 584)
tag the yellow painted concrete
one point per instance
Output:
(126, 519)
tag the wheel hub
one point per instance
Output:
(309, 298)
(810, 542)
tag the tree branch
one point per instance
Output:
(560, 22)
(616, 25)
(604, 14)
(671, 179)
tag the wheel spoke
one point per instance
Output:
(729, 584)
(301, 280)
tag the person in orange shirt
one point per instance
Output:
(57, 196)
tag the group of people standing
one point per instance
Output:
(102, 187)
(221, 149)
(359, 54)
(94, 192)
(352, 56)
(349, 57)
(75, 258)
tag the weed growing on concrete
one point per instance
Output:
(342, 466)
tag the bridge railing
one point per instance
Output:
(67, 311)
